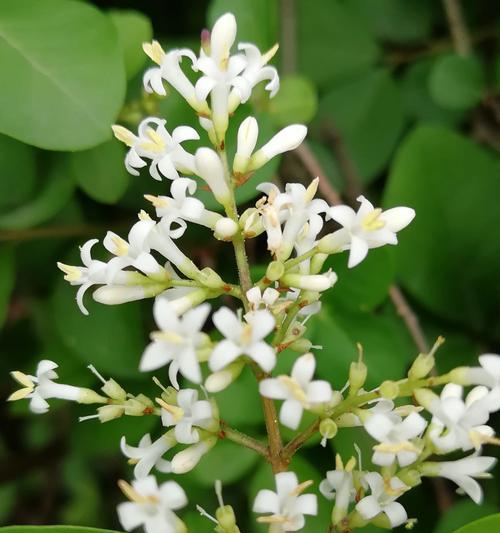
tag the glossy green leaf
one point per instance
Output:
(7, 278)
(461, 513)
(111, 337)
(66, 77)
(296, 101)
(53, 529)
(368, 113)
(457, 82)
(489, 523)
(100, 171)
(17, 172)
(54, 195)
(449, 256)
(333, 43)
(133, 29)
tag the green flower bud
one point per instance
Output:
(389, 390)
(88, 396)
(114, 391)
(301, 345)
(275, 270)
(357, 373)
(412, 477)
(210, 278)
(110, 412)
(328, 428)
(227, 519)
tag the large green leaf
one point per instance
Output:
(368, 113)
(489, 523)
(53, 529)
(111, 337)
(65, 82)
(100, 171)
(449, 257)
(333, 43)
(296, 101)
(461, 513)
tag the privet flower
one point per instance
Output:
(148, 454)
(488, 374)
(287, 506)
(152, 506)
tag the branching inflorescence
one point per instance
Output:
(268, 316)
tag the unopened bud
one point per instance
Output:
(357, 373)
(247, 139)
(460, 375)
(301, 345)
(425, 397)
(422, 365)
(225, 229)
(389, 390)
(210, 278)
(110, 412)
(114, 391)
(209, 167)
(120, 294)
(218, 381)
(227, 519)
(88, 396)
(317, 262)
(315, 282)
(412, 478)
(328, 428)
(275, 270)
(188, 458)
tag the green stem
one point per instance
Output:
(243, 439)
(297, 260)
(290, 317)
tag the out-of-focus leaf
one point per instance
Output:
(227, 461)
(344, 441)
(17, 172)
(461, 513)
(66, 79)
(7, 278)
(100, 171)
(111, 337)
(7, 499)
(368, 113)
(449, 257)
(53, 529)
(296, 101)
(417, 98)
(257, 19)
(330, 26)
(53, 196)
(328, 164)
(457, 82)
(399, 21)
(133, 28)
(489, 523)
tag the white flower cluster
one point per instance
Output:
(269, 316)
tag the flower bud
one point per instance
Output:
(251, 223)
(227, 520)
(225, 229)
(120, 294)
(188, 458)
(301, 345)
(110, 412)
(316, 263)
(210, 278)
(357, 374)
(460, 375)
(247, 139)
(114, 391)
(422, 365)
(389, 390)
(275, 270)
(285, 140)
(328, 428)
(209, 167)
(412, 477)
(88, 396)
(425, 397)
(315, 282)
(218, 381)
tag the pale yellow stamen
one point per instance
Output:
(338, 463)
(388, 447)
(176, 411)
(154, 51)
(299, 489)
(157, 201)
(272, 519)
(123, 134)
(121, 246)
(372, 222)
(478, 439)
(350, 465)
(269, 54)
(294, 387)
(133, 495)
(311, 189)
(142, 215)
(73, 273)
(157, 143)
(168, 336)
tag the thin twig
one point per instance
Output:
(243, 439)
(458, 27)
(288, 36)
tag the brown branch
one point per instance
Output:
(458, 27)
(288, 36)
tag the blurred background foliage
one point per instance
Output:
(402, 105)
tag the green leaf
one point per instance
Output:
(417, 98)
(100, 171)
(333, 43)
(368, 114)
(7, 279)
(296, 101)
(17, 172)
(489, 523)
(457, 82)
(257, 20)
(449, 257)
(227, 461)
(134, 29)
(48, 202)
(328, 164)
(66, 79)
(53, 529)
(111, 337)
(461, 513)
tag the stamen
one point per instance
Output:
(301, 488)
(338, 462)
(88, 417)
(121, 246)
(22, 378)
(142, 215)
(218, 492)
(205, 514)
(174, 410)
(154, 51)
(94, 371)
(157, 201)
(158, 383)
(388, 447)
(123, 134)
(73, 273)
(269, 54)
(371, 222)
(272, 519)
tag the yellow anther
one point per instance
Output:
(269, 54)
(350, 465)
(154, 51)
(123, 134)
(157, 201)
(388, 447)
(311, 189)
(73, 273)
(142, 215)
(294, 387)
(121, 246)
(372, 222)
(272, 519)
(168, 336)
(176, 411)
(156, 144)
(339, 465)
(299, 489)
(133, 495)
(478, 439)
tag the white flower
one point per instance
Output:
(463, 472)
(262, 300)
(273, 210)
(381, 499)
(298, 390)
(188, 412)
(176, 342)
(287, 505)
(310, 282)
(149, 454)
(151, 506)
(153, 141)
(256, 70)
(368, 227)
(209, 167)
(395, 438)
(247, 139)
(487, 374)
(243, 338)
(41, 387)
(457, 423)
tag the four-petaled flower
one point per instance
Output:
(148, 454)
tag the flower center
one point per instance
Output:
(372, 221)
(295, 389)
